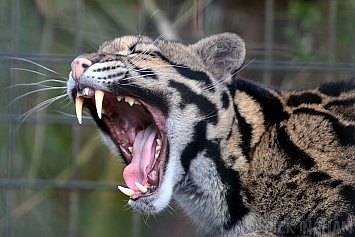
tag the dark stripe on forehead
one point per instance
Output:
(189, 73)
(207, 108)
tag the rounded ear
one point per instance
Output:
(223, 54)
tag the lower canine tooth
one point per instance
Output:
(141, 188)
(127, 191)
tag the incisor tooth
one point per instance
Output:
(79, 107)
(86, 91)
(159, 142)
(129, 100)
(127, 191)
(130, 148)
(99, 97)
(141, 188)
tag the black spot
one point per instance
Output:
(207, 108)
(231, 179)
(120, 74)
(271, 106)
(291, 185)
(336, 88)
(189, 73)
(245, 130)
(347, 192)
(305, 98)
(318, 176)
(294, 155)
(294, 172)
(232, 159)
(345, 134)
(335, 183)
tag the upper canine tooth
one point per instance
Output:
(79, 100)
(129, 100)
(99, 97)
(127, 191)
(141, 188)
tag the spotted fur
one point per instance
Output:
(241, 159)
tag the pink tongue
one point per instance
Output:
(143, 158)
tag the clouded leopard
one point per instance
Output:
(241, 159)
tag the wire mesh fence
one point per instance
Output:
(56, 177)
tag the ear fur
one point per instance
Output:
(222, 54)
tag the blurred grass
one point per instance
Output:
(53, 32)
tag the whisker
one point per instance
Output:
(32, 71)
(160, 66)
(209, 87)
(39, 65)
(98, 28)
(156, 40)
(38, 83)
(72, 115)
(38, 90)
(40, 107)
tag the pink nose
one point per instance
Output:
(78, 67)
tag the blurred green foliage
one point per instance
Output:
(53, 32)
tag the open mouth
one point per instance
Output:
(137, 128)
